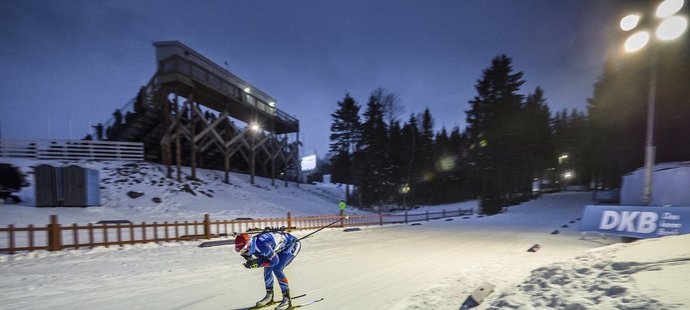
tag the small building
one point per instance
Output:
(71, 186)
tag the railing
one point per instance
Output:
(72, 149)
(176, 64)
(147, 103)
(56, 237)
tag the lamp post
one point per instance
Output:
(671, 27)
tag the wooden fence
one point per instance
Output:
(56, 237)
(72, 149)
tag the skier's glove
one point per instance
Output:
(251, 263)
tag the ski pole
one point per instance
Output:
(318, 230)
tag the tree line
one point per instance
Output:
(511, 143)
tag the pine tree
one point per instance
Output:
(537, 135)
(425, 149)
(410, 169)
(492, 128)
(461, 181)
(345, 136)
(397, 158)
(374, 165)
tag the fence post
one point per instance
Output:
(405, 216)
(54, 242)
(289, 220)
(342, 223)
(207, 226)
(444, 213)
(427, 215)
(11, 236)
(380, 218)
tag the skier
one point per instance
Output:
(273, 251)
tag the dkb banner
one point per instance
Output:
(636, 221)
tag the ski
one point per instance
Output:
(306, 303)
(273, 303)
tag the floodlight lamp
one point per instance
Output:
(247, 90)
(629, 22)
(483, 143)
(568, 175)
(668, 8)
(254, 127)
(671, 28)
(636, 41)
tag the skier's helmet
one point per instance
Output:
(242, 241)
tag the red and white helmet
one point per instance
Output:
(243, 243)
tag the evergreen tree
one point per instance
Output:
(537, 135)
(410, 168)
(617, 117)
(374, 165)
(397, 158)
(425, 149)
(617, 112)
(463, 186)
(345, 135)
(492, 128)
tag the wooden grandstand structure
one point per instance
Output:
(187, 113)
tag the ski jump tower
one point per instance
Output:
(188, 110)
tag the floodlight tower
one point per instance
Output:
(670, 27)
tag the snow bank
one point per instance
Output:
(648, 274)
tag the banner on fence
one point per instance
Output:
(636, 221)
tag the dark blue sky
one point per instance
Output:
(65, 65)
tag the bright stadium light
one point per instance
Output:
(671, 28)
(629, 22)
(636, 41)
(668, 8)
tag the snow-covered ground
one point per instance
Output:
(187, 200)
(430, 266)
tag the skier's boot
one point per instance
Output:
(286, 303)
(267, 299)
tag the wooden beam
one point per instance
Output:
(192, 125)
(178, 144)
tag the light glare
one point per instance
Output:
(671, 28)
(629, 22)
(636, 41)
(668, 8)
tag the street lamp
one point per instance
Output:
(671, 27)
(562, 158)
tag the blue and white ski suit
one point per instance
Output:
(270, 249)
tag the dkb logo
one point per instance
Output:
(630, 221)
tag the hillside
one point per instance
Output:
(187, 200)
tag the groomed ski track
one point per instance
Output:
(430, 266)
